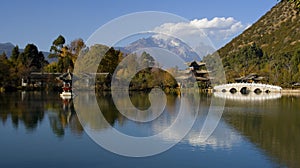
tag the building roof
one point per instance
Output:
(199, 63)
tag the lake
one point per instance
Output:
(39, 129)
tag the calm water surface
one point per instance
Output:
(39, 129)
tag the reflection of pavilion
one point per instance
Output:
(196, 70)
(66, 78)
(63, 118)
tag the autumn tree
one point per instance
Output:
(66, 54)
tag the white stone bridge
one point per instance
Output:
(245, 88)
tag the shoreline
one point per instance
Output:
(290, 92)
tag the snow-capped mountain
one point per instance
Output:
(171, 44)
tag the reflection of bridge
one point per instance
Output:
(245, 88)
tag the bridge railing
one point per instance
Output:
(251, 85)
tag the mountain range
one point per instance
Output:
(170, 44)
(6, 48)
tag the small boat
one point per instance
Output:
(67, 91)
(66, 95)
(67, 85)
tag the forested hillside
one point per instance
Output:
(270, 47)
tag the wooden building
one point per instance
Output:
(196, 70)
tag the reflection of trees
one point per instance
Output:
(108, 109)
(64, 117)
(87, 108)
(88, 112)
(29, 109)
(276, 130)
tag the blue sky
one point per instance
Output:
(40, 22)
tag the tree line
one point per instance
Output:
(20, 65)
(63, 56)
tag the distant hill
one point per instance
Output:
(7, 48)
(270, 47)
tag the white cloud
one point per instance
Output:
(219, 30)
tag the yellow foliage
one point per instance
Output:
(64, 51)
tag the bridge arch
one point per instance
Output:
(257, 90)
(245, 90)
(233, 90)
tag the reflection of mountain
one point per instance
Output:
(222, 138)
(30, 108)
(272, 125)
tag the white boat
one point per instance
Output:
(66, 95)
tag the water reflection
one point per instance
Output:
(116, 119)
(223, 137)
(18, 111)
(65, 117)
(272, 125)
(31, 109)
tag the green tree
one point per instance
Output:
(32, 58)
(52, 67)
(295, 61)
(56, 47)
(4, 73)
(246, 60)
(15, 53)
(28, 61)
(110, 61)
